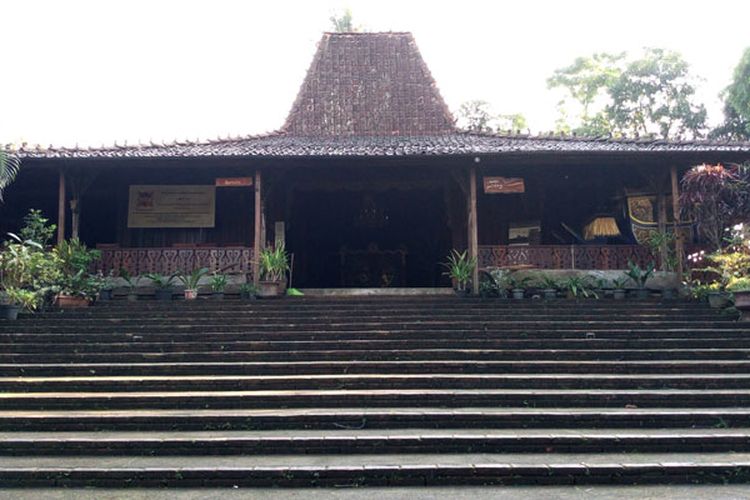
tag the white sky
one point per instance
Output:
(92, 72)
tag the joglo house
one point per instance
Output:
(369, 184)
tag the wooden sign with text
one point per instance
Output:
(504, 185)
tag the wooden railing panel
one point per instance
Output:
(601, 257)
(169, 260)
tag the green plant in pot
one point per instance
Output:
(549, 286)
(577, 287)
(518, 285)
(28, 274)
(163, 285)
(191, 280)
(78, 287)
(131, 284)
(640, 276)
(248, 291)
(273, 264)
(460, 269)
(108, 286)
(218, 284)
(618, 285)
(740, 289)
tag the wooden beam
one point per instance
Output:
(61, 208)
(661, 206)
(679, 244)
(473, 240)
(258, 228)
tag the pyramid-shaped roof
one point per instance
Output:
(368, 84)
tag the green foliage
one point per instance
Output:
(477, 116)
(653, 94)
(344, 23)
(160, 281)
(9, 167)
(274, 263)
(218, 282)
(664, 242)
(130, 280)
(248, 289)
(579, 286)
(75, 256)
(736, 97)
(638, 275)
(26, 269)
(294, 292)
(191, 279)
(547, 282)
(516, 283)
(460, 268)
(739, 284)
(37, 228)
(620, 283)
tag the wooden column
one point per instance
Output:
(661, 206)
(258, 228)
(61, 208)
(473, 235)
(678, 243)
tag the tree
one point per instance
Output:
(587, 81)
(477, 116)
(9, 166)
(737, 103)
(654, 94)
(344, 23)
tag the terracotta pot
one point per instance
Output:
(71, 301)
(742, 300)
(191, 294)
(269, 289)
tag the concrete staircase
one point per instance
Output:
(375, 391)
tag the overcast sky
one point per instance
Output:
(92, 72)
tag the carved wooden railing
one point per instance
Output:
(602, 257)
(168, 260)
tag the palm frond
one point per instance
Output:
(9, 167)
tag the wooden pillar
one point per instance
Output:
(678, 242)
(61, 208)
(258, 228)
(661, 206)
(473, 235)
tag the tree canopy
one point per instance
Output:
(344, 22)
(737, 103)
(650, 95)
(478, 116)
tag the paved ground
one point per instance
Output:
(519, 493)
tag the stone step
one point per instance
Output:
(364, 367)
(377, 381)
(208, 345)
(343, 418)
(376, 470)
(383, 355)
(352, 442)
(449, 398)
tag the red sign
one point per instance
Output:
(234, 181)
(504, 185)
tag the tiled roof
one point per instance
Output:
(284, 145)
(368, 84)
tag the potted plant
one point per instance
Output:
(163, 285)
(740, 289)
(273, 263)
(518, 286)
(549, 286)
(28, 273)
(16, 299)
(460, 268)
(131, 284)
(78, 287)
(191, 280)
(640, 277)
(618, 285)
(105, 294)
(218, 284)
(248, 291)
(578, 286)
